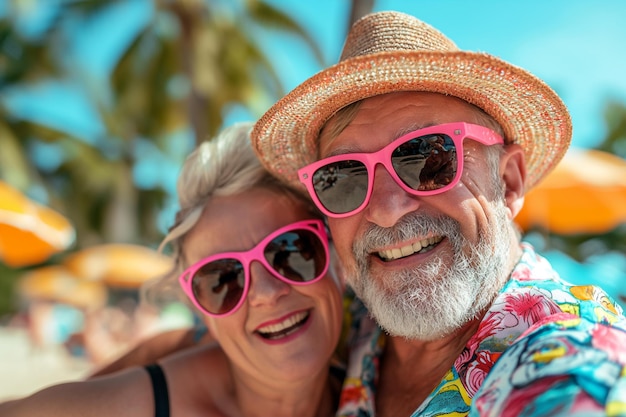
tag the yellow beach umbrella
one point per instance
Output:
(29, 232)
(57, 283)
(586, 193)
(119, 265)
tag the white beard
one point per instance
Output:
(434, 300)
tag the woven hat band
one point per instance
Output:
(385, 32)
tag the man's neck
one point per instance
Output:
(411, 369)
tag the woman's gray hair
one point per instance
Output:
(225, 165)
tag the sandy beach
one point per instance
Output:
(25, 369)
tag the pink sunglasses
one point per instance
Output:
(296, 254)
(423, 162)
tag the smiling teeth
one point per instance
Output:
(397, 253)
(289, 322)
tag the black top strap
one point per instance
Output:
(159, 388)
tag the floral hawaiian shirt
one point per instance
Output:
(540, 333)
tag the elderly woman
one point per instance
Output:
(276, 332)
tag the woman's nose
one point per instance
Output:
(265, 288)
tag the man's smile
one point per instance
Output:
(420, 246)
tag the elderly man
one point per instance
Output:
(420, 155)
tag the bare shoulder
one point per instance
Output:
(126, 393)
(200, 365)
(151, 350)
(199, 378)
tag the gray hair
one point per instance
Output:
(223, 166)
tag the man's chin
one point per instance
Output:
(421, 323)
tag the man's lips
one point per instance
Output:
(421, 246)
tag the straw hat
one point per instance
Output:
(389, 52)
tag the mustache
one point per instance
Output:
(410, 226)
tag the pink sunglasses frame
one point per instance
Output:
(256, 254)
(458, 132)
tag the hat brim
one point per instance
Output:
(529, 111)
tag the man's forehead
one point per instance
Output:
(352, 142)
(396, 114)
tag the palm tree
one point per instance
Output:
(22, 62)
(182, 69)
(615, 117)
(358, 9)
(188, 63)
(204, 59)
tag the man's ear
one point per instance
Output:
(513, 172)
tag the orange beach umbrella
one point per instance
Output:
(585, 193)
(29, 232)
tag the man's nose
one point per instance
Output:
(389, 201)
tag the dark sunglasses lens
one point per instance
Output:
(218, 286)
(341, 186)
(427, 162)
(298, 255)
